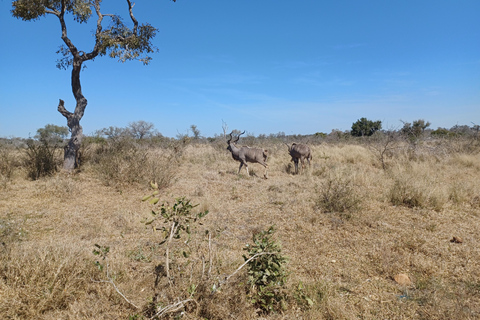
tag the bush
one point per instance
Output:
(415, 192)
(266, 271)
(413, 132)
(404, 194)
(364, 127)
(6, 166)
(40, 159)
(125, 162)
(338, 194)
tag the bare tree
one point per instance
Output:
(382, 144)
(141, 129)
(224, 128)
(195, 132)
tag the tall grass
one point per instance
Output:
(41, 159)
(125, 163)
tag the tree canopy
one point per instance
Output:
(52, 134)
(414, 131)
(365, 127)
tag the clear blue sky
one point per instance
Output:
(266, 66)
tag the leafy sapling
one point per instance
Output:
(266, 271)
(177, 221)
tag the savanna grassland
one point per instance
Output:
(362, 214)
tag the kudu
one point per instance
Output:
(299, 151)
(246, 154)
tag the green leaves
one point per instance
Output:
(180, 213)
(102, 252)
(81, 10)
(123, 43)
(266, 272)
(177, 220)
(28, 10)
(117, 40)
(365, 127)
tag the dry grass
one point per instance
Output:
(342, 257)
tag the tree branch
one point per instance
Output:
(114, 285)
(171, 308)
(61, 108)
(95, 50)
(68, 42)
(243, 265)
(135, 22)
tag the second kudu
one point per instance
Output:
(299, 151)
(246, 154)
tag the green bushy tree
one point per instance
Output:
(414, 131)
(364, 127)
(52, 134)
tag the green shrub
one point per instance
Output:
(364, 127)
(266, 271)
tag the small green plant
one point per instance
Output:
(102, 252)
(177, 219)
(266, 271)
(302, 297)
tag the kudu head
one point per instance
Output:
(290, 150)
(229, 148)
(289, 147)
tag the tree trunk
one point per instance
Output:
(71, 154)
(71, 150)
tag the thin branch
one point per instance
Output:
(114, 285)
(100, 16)
(116, 289)
(54, 12)
(209, 255)
(172, 308)
(173, 229)
(243, 265)
(135, 22)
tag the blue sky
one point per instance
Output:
(266, 66)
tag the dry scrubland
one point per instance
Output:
(347, 226)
